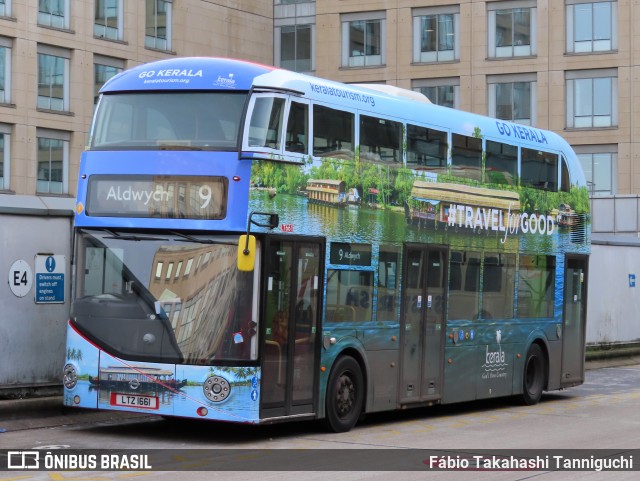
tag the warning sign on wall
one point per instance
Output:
(50, 274)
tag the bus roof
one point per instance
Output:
(378, 101)
(190, 73)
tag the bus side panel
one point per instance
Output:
(225, 393)
(82, 361)
(555, 365)
(382, 350)
(461, 362)
(384, 375)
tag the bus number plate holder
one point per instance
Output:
(134, 400)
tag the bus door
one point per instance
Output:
(291, 314)
(574, 318)
(422, 322)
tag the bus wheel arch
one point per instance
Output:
(346, 392)
(535, 373)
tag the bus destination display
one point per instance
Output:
(350, 254)
(169, 197)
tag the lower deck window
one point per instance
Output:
(536, 284)
(464, 285)
(349, 296)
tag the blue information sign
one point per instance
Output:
(49, 279)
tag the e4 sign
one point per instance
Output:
(20, 278)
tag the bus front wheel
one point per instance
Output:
(534, 375)
(345, 395)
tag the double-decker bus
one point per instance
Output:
(446, 262)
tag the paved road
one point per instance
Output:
(601, 414)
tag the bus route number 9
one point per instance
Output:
(205, 195)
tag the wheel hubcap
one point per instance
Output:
(345, 395)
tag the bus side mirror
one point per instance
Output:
(246, 253)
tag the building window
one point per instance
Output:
(600, 164)
(363, 39)
(5, 155)
(435, 34)
(512, 29)
(53, 78)
(53, 162)
(592, 26)
(592, 98)
(104, 69)
(294, 47)
(5, 8)
(5, 70)
(158, 24)
(108, 21)
(513, 98)
(441, 91)
(53, 13)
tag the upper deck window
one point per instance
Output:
(426, 149)
(266, 122)
(168, 120)
(380, 139)
(539, 170)
(333, 132)
(466, 156)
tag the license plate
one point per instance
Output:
(134, 400)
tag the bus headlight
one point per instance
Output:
(69, 376)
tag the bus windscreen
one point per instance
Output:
(160, 120)
(134, 286)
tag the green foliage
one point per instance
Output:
(241, 375)
(542, 201)
(286, 178)
(403, 185)
(395, 183)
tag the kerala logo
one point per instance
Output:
(228, 82)
(495, 364)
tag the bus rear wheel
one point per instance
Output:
(345, 395)
(534, 375)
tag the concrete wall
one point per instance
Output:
(613, 306)
(32, 336)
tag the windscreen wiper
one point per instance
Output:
(190, 238)
(116, 235)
